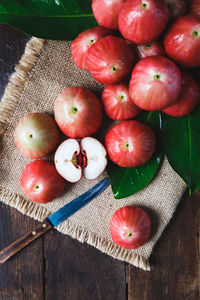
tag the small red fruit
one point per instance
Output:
(78, 112)
(41, 182)
(130, 143)
(130, 227)
(117, 102)
(155, 83)
(150, 49)
(142, 21)
(177, 8)
(106, 12)
(182, 42)
(36, 135)
(195, 8)
(188, 98)
(83, 42)
(110, 60)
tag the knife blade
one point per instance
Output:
(53, 220)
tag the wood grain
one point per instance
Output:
(21, 278)
(24, 240)
(175, 261)
(78, 271)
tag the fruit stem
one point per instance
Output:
(156, 77)
(195, 33)
(143, 5)
(148, 46)
(74, 110)
(129, 234)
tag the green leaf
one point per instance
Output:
(181, 138)
(128, 181)
(50, 19)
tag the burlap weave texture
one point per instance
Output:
(45, 70)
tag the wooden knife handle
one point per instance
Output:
(23, 241)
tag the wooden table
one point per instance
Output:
(56, 267)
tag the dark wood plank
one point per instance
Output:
(78, 271)
(12, 44)
(176, 259)
(21, 278)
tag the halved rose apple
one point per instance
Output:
(74, 159)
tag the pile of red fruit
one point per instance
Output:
(132, 63)
(138, 53)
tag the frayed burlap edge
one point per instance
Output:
(8, 105)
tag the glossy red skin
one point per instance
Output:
(177, 8)
(107, 53)
(45, 135)
(43, 174)
(138, 136)
(106, 12)
(188, 98)
(117, 108)
(83, 42)
(180, 44)
(130, 220)
(143, 25)
(195, 8)
(86, 121)
(150, 49)
(151, 94)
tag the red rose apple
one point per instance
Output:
(41, 182)
(188, 98)
(155, 83)
(78, 112)
(110, 60)
(150, 49)
(36, 135)
(195, 8)
(177, 8)
(117, 102)
(130, 227)
(83, 42)
(182, 41)
(106, 12)
(142, 21)
(130, 143)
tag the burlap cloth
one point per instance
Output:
(45, 69)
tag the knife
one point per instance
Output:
(53, 220)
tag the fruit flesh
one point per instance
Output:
(96, 157)
(66, 162)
